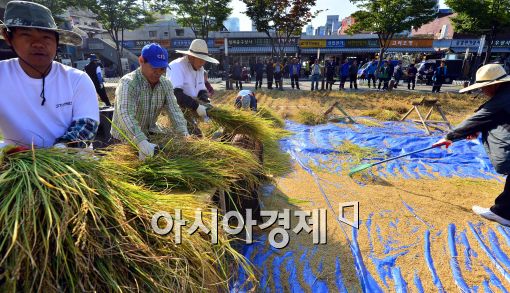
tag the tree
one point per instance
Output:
(118, 16)
(481, 17)
(58, 7)
(280, 20)
(390, 17)
(201, 16)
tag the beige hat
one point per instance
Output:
(488, 75)
(198, 48)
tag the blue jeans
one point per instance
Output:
(315, 81)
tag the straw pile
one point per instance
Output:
(68, 227)
(193, 165)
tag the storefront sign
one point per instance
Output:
(335, 43)
(463, 43)
(185, 43)
(409, 43)
(501, 43)
(256, 42)
(312, 43)
(362, 43)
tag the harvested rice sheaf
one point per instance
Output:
(311, 118)
(67, 227)
(193, 165)
(234, 122)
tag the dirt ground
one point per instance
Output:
(398, 217)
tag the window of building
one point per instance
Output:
(165, 34)
(179, 32)
(152, 34)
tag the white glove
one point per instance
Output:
(59, 145)
(202, 111)
(145, 149)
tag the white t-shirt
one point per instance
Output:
(183, 76)
(70, 95)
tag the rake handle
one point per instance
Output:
(406, 154)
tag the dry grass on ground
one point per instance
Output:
(382, 106)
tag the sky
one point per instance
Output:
(343, 8)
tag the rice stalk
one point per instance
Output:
(67, 227)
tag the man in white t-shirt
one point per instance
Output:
(43, 103)
(187, 77)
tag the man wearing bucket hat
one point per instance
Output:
(492, 119)
(187, 76)
(43, 103)
(141, 96)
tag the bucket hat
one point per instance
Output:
(25, 14)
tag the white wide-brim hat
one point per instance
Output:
(198, 48)
(488, 75)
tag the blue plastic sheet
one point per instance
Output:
(317, 147)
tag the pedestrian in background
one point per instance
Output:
(439, 77)
(270, 74)
(237, 72)
(330, 73)
(398, 73)
(344, 74)
(316, 74)
(384, 76)
(259, 74)
(353, 75)
(93, 70)
(411, 76)
(371, 72)
(295, 69)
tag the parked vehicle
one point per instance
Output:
(427, 68)
(362, 72)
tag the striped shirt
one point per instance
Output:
(138, 107)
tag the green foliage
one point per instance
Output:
(286, 18)
(58, 7)
(201, 16)
(479, 16)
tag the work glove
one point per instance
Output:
(202, 111)
(145, 149)
(60, 145)
(443, 142)
(9, 149)
(203, 96)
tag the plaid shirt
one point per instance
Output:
(81, 131)
(138, 107)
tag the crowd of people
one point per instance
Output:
(328, 72)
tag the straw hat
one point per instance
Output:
(488, 75)
(32, 15)
(198, 48)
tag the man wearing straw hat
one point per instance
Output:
(187, 76)
(141, 96)
(43, 103)
(492, 119)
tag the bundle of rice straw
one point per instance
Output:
(265, 126)
(67, 227)
(234, 121)
(270, 115)
(193, 165)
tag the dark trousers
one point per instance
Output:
(278, 80)
(270, 81)
(239, 85)
(258, 81)
(102, 94)
(353, 79)
(294, 79)
(436, 87)
(371, 77)
(342, 81)
(385, 81)
(330, 80)
(501, 205)
(411, 80)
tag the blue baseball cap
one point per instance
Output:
(156, 55)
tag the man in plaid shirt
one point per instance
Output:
(141, 96)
